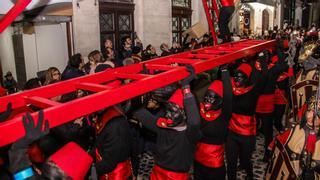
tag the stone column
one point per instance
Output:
(157, 22)
(6, 52)
(86, 27)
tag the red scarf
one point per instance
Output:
(240, 90)
(209, 115)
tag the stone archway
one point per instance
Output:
(265, 20)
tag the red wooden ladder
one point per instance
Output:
(105, 96)
(212, 13)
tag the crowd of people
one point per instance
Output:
(249, 96)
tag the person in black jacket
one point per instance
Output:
(242, 126)
(265, 104)
(177, 133)
(112, 145)
(215, 113)
(74, 68)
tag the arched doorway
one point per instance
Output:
(265, 20)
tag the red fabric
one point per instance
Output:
(280, 97)
(243, 125)
(209, 115)
(177, 98)
(290, 72)
(258, 65)
(122, 171)
(3, 91)
(1, 161)
(274, 59)
(282, 138)
(210, 155)
(159, 173)
(11, 15)
(311, 143)
(282, 77)
(35, 154)
(240, 90)
(163, 122)
(72, 160)
(302, 111)
(245, 68)
(217, 87)
(286, 43)
(265, 103)
(111, 113)
(227, 2)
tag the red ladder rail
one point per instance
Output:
(212, 13)
(106, 96)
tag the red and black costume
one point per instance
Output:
(112, 146)
(265, 104)
(174, 148)
(242, 126)
(281, 97)
(209, 156)
(226, 12)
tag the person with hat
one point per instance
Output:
(246, 87)
(57, 166)
(265, 105)
(177, 133)
(215, 113)
(112, 144)
(296, 152)
(10, 83)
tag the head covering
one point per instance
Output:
(245, 68)
(72, 160)
(217, 87)
(8, 74)
(177, 98)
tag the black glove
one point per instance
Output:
(33, 132)
(144, 69)
(4, 116)
(186, 82)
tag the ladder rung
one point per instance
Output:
(92, 87)
(159, 67)
(131, 76)
(182, 61)
(41, 102)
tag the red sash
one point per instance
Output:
(159, 173)
(243, 125)
(227, 2)
(122, 172)
(280, 97)
(210, 155)
(265, 103)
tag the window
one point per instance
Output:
(116, 22)
(181, 18)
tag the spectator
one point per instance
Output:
(32, 83)
(176, 48)
(74, 67)
(136, 54)
(94, 57)
(149, 53)
(126, 50)
(165, 50)
(52, 73)
(10, 83)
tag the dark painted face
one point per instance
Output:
(240, 79)
(212, 101)
(175, 113)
